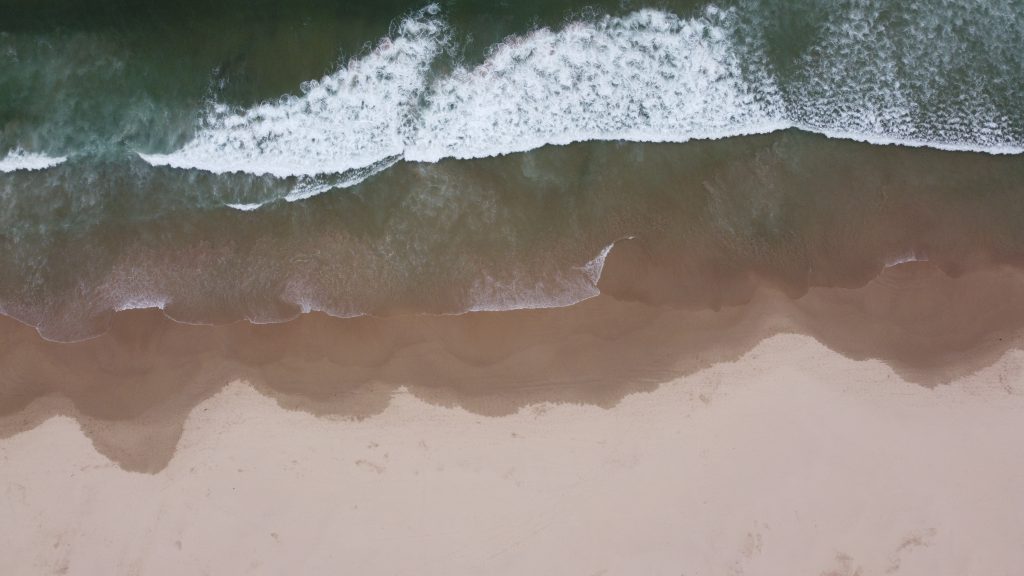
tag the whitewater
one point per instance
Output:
(649, 76)
(20, 159)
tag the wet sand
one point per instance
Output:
(848, 431)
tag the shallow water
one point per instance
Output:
(256, 161)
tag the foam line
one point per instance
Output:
(18, 159)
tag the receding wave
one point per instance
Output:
(650, 76)
(495, 295)
(19, 159)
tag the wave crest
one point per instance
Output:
(349, 120)
(648, 76)
(20, 159)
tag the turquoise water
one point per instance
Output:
(261, 159)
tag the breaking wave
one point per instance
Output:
(352, 119)
(493, 295)
(19, 159)
(650, 76)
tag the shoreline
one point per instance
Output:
(133, 388)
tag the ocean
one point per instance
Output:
(227, 161)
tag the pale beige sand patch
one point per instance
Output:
(792, 460)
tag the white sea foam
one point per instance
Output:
(649, 76)
(348, 120)
(906, 257)
(494, 295)
(245, 207)
(142, 303)
(909, 77)
(309, 186)
(19, 159)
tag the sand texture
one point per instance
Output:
(791, 460)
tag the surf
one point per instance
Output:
(648, 76)
(19, 159)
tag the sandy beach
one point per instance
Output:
(790, 460)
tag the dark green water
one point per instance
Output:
(227, 160)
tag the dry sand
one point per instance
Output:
(792, 459)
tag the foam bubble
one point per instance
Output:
(906, 257)
(593, 269)
(19, 159)
(248, 207)
(916, 76)
(140, 302)
(309, 186)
